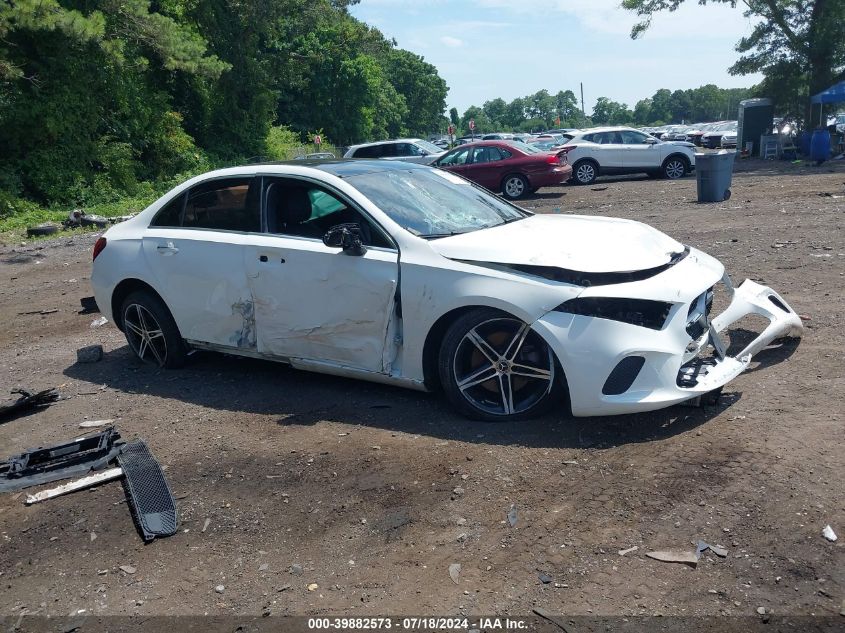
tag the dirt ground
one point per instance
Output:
(285, 478)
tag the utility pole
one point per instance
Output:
(584, 114)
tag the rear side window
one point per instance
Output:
(373, 151)
(171, 213)
(229, 204)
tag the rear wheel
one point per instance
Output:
(494, 367)
(585, 172)
(514, 186)
(151, 332)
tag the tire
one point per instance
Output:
(494, 367)
(151, 332)
(585, 172)
(675, 167)
(515, 187)
(48, 228)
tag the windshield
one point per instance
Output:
(431, 148)
(432, 203)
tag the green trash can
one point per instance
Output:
(713, 173)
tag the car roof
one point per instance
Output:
(340, 167)
(391, 140)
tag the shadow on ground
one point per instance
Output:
(291, 397)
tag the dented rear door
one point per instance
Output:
(315, 302)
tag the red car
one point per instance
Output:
(515, 169)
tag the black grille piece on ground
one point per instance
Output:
(52, 463)
(146, 488)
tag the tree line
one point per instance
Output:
(542, 110)
(98, 97)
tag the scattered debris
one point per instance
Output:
(91, 424)
(129, 569)
(544, 577)
(42, 312)
(80, 484)
(761, 610)
(98, 322)
(89, 305)
(47, 228)
(296, 569)
(455, 572)
(263, 567)
(147, 491)
(675, 556)
(220, 588)
(206, 524)
(829, 534)
(598, 188)
(458, 491)
(512, 516)
(721, 552)
(313, 586)
(28, 401)
(89, 354)
(622, 552)
(46, 464)
(570, 462)
(551, 618)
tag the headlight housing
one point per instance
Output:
(698, 316)
(641, 312)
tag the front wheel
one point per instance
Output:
(675, 167)
(494, 367)
(151, 332)
(514, 187)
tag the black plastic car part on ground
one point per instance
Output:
(153, 507)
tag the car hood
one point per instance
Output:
(572, 242)
(681, 143)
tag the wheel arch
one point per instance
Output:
(434, 338)
(123, 290)
(680, 155)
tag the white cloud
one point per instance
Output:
(451, 42)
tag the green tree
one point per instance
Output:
(607, 112)
(454, 117)
(803, 36)
(566, 107)
(642, 112)
(495, 111)
(423, 89)
(515, 114)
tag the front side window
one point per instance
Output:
(229, 204)
(629, 137)
(302, 209)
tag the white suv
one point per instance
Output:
(623, 150)
(412, 150)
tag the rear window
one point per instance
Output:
(171, 213)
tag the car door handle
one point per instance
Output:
(262, 258)
(167, 249)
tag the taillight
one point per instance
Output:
(99, 245)
(552, 159)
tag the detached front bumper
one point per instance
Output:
(615, 368)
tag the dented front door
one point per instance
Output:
(318, 303)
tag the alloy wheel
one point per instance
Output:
(502, 367)
(585, 173)
(675, 169)
(514, 187)
(144, 334)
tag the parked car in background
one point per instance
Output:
(728, 138)
(840, 123)
(410, 276)
(412, 150)
(546, 145)
(623, 150)
(442, 143)
(713, 138)
(514, 168)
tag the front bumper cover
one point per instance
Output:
(675, 369)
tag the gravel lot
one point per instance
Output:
(285, 478)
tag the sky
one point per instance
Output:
(512, 48)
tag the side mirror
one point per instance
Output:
(347, 237)
(651, 141)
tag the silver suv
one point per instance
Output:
(412, 150)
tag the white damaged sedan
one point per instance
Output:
(408, 275)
